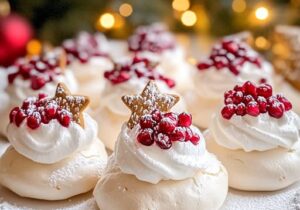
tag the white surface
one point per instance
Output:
(287, 199)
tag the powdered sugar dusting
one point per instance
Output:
(67, 172)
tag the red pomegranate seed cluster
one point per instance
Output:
(138, 67)
(39, 110)
(39, 70)
(254, 100)
(231, 54)
(154, 38)
(166, 128)
(84, 47)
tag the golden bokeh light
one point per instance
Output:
(107, 20)
(125, 9)
(181, 5)
(189, 18)
(239, 5)
(262, 13)
(34, 47)
(262, 43)
(4, 8)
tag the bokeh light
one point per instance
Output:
(239, 5)
(181, 5)
(125, 9)
(189, 18)
(107, 20)
(262, 13)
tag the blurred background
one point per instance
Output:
(25, 25)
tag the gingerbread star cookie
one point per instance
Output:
(72, 103)
(149, 100)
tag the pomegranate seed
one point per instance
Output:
(20, 116)
(64, 119)
(184, 120)
(42, 95)
(230, 46)
(50, 110)
(195, 139)
(34, 120)
(170, 83)
(228, 111)
(188, 134)
(287, 104)
(247, 99)
(250, 88)
(276, 109)
(11, 77)
(228, 101)
(239, 88)
(264, 90)
(229, 93)
(203, 66)
(166, 126)
(238, 97)
(146, 121)
(44, 118)
(171, 116)
(156, 115)
(37, 82)
(252, 109)
(13, 113)
(163, 141)
(241, 109)
(178, 134)
(145, 137)
(262, 103)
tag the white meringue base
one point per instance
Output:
(117, 190)
(258, 171)
(72, 176)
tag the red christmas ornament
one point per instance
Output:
(14, 34)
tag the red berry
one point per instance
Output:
(163, 141)
(188, 134)
(172, 116)
(42, 95)
(247, 99)
(239, 88)
(228, 111)
(262, 103)
(64, 118)
(13, 113)
(264, 90)
(146, 121)
(250, 88)
(184, 120)
(238, 97)
(50, 110)
(230, 46)
(178, 134)
(37, 82)
(203, 65)
(34, 120)
(195, 139)
(156, 115)
(241, 109)
(287, 104)
(252, 109)
(20, 116)
(170, 83)
(229, 93)
(166, 126)
(228, 101)
(145, 137)
(276, 109)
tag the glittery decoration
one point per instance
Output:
(72, 103)
(149, 100)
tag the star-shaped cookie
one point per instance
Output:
(72, 103)
(149, 100)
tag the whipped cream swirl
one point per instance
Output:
(152, 164)
(212, 82)
(20, 89)
(51, 142)
(259, 133)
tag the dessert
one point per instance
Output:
(88, 58)
(231, 62)
(160, 161)
(55, 152)
(4, 98)
(157, 43)
(256, 135)
(127, 77)
(286, 52)
(30, 76)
